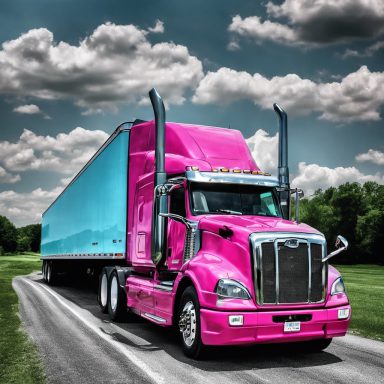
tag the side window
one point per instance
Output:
(267, 204)
(178, 202)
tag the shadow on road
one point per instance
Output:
(83, 292)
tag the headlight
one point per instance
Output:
(227, 288)
(338, 286)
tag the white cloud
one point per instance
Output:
(372, 156)
(264, 150)
(368, 52)
(314, 22)
(8, 178)
(253, 27)
(158, 28)
(26, 208)
(356, 97)
(115, 64)
(233, 45)
(65, 153)
(311, 177)
(28, 109)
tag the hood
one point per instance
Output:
(251, 224)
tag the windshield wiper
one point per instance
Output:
(228, 211)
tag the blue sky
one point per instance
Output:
(71, 71)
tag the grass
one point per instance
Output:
(19, 360)
(365, 287)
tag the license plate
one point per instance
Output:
(292, 326)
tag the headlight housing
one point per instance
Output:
(338, 286)
(231, 289)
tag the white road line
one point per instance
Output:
(129, 355)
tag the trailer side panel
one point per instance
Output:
(89, 218)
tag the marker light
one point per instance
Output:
(215, 170)
(267, 174)
(235, 320)
(224, 169)
(246, 171)
(343, 313)
(236, 170)
(256, 172)
(338, 286)
(195, 168)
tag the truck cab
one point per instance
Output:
(212, 248)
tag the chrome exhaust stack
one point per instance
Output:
(160, 204)
(283, 170)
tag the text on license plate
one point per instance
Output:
(292, 326)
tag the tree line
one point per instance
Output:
(24, 239)
(354, 211)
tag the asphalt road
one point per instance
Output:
(78, 344)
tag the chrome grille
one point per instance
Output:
(288, 268)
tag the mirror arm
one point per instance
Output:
(178, 218)
(342, 240)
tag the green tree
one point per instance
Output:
(8, 236)
(29, 238)
(351, 210)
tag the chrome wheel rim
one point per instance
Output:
(103, 290)
(114, 293)
(187, 323)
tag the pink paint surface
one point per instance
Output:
(208, 148)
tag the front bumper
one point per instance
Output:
(259, 327)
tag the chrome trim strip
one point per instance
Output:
(163, 287)
(256, 239)
(154, 317)
(277, 275)
(260, 276)
(80, 257)
(231, 178)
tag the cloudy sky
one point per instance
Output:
(71, 71)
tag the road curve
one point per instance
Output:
(78, 344)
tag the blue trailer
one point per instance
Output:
(88, 220)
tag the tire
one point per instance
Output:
(102, 295)
(189, 324)
(44, 270)
(315, 345)
(51, 272)
(117, 298)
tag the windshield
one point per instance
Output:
(234, 199)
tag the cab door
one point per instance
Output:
(176, 230)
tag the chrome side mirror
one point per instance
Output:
(299, 194)
(341, 245)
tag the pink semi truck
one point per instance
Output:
(185, 230)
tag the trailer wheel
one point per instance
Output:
(189, 324)
(117, 298)
(102, 296)
(44, 270)
(51, 272)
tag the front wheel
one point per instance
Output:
(189, 324)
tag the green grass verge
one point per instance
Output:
(19, 360)
(365, 288)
